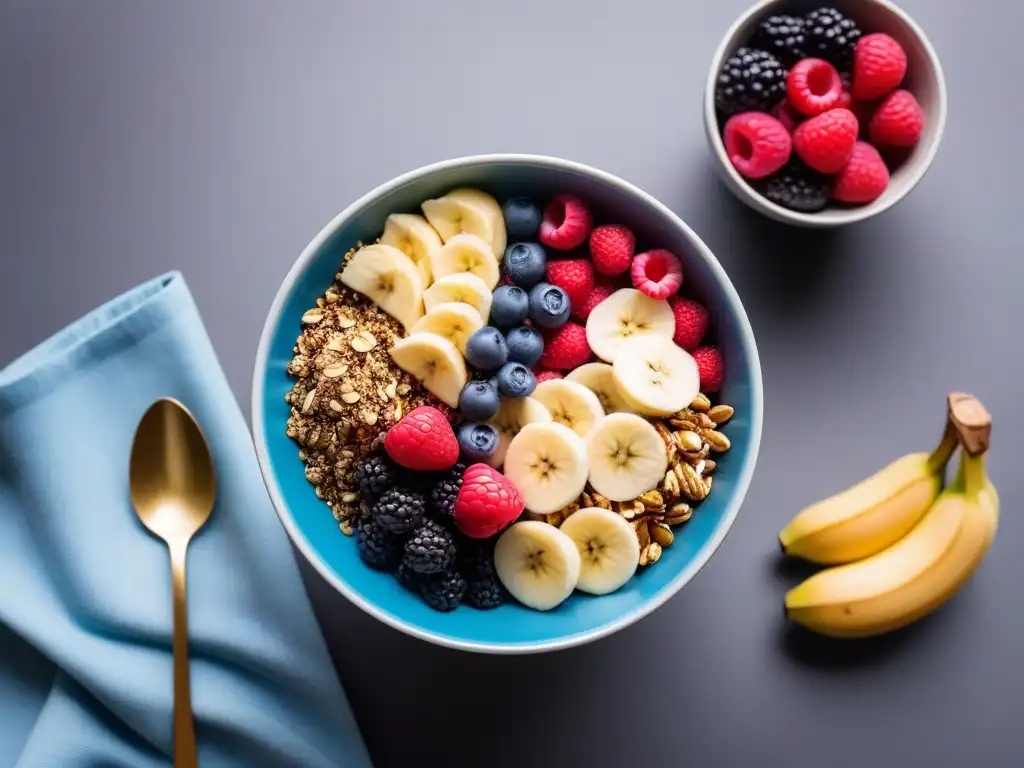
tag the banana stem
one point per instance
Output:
(973, 468)
(940, 456)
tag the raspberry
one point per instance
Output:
(601, 291)
(814, 86)
(611, 249)
(879, 65)
(787, 114)
(487, 502)
(543, 374)
(423, 440)
(574, 276)
(864, 177)
(757, 144)
(898, 121)
(691, 321)
(566, 223)
(826, 141)
(565, 348)
(711, 367)
(657, 273)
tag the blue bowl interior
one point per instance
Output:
(512, 626)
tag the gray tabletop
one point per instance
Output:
(218, 136)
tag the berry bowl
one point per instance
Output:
(450, 497)
(820, 115)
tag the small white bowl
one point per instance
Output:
(924, 79)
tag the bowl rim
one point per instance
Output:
(702, 556)
(835, 217)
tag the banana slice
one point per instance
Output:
(608, 546)
(455, 321)
(570, 403)
(655, 376)
(626, 457)
(463, 287)
(513, 414)
(548, 464)
(538, 564)
(389, 279)
(600, 379)
(412, 235)
(471, 211)
(434, 361)
(466, 253)
(627, 314)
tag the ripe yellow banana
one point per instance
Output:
(917, 574)
(871, 515)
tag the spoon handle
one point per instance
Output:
(184, 731)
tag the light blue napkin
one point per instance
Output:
(85, 592)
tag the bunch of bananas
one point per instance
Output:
(900, 544)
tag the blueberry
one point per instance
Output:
(486, 350)
(525, 345)
(478, 441)
(478, 400)
(516, 380)
(525, 264)
(522, 218)
(509, 306)
(549, 305)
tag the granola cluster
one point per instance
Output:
(690, 436)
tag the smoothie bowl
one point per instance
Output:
(507, 403)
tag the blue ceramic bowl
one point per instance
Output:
(510, 628)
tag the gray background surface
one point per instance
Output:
(219, 136)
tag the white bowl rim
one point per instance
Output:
(284, 514)
(834, 217)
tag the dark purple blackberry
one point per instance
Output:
(831, 36)
(782, 36)
(483, 588)
(431, 549)
(443, 591)
(750, 80)
(797, 188)
(446, 491)
(375, 474)
(409, 579)
(379, 549)
(398, 510)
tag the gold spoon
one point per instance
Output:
(172, 487)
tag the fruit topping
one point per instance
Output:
(486, 349)
(602, 290)
(782, 36)
(510, 306)
(443, 591)
(478, 441)
(862, 180)
(466, 253)
(814, 86)
(757, 145)
(656, 377)
(464, 287)
(566, 348)
(796, 187)
(455, 321)
(478, 400)
(538, 564)
(435, 362)
(608, 546)
(445, 491)
(711, 367)
(898, 121)
(566, 223)
(879, 66)
(574, 276)
(599, 378)
(516, 380)
(570, 403)
(826, 141)
(626, 457)
(469, 211)
(626, 314)
(549, 305)
(374, 475)
(389, 279)
(788, 115)
(611, 249)
(522, 218)
(544, 374)
(831, 36)
(525, 345)
(750, 81)
(378, 548)
(412, 235)
(659, 273)
(547, 463)
(399, 510)
(514, 414)
(484, 589)
(525, 264)
(423, 440)
(692, 321)
(488, 502)
(430, 549)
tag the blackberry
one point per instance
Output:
(831, 36)
(409, 579)
(750, 80)
(445, 492)
(797, 188)
(431, 549)
(375, 474)
(379, 549)
(399, 510)
(784, 37)
(443, 591)
(483, 588)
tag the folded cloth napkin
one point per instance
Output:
(85, 590)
